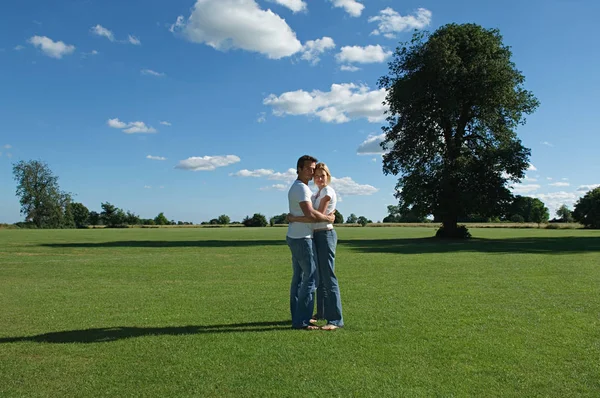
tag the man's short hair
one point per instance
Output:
(302, 160)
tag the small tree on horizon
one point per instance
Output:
(223, 219)
(339, 218)
(160, 219)
(564, 214)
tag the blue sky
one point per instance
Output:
(197, 109)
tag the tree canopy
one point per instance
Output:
(587, 209)
(527, 209)
(455, 100)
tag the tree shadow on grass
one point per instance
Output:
(559, 245)
(168, 243)
(105, 335)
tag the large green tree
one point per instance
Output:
(455, 100)
(42, 201)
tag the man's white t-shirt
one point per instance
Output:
(299, 192)
(316, 201)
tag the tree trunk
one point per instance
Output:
(450, 224)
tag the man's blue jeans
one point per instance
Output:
(303, 281)
(325, 244)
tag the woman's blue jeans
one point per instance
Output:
(328, 290)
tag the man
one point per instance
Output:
(299, 239)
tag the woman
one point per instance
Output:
(325, 241)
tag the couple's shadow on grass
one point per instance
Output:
(105, 335)
(537, 245)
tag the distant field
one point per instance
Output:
(378, 225)
(204, 312)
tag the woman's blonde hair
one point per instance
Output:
(323, 166)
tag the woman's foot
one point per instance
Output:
(311, 327)
(330, 327)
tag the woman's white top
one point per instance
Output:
(316, 202)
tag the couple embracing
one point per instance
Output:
(312, 241)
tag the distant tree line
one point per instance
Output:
(45, 205)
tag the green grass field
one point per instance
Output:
(205, 312)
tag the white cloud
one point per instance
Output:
(363, 55)
(549, 178)
(150, 72)
(179, 23)
(147, 186)
(547, 143)
(559, 184)
(371, 145)
(261, 118)
(529, 179)
(100, 30)
(346, 186)
(586, 188)
(238, 24)
(19, 47)
(556, 199)
(7, 146)
(391, 22)
(276, 187)
(287, 176)
(155, 157)
(349, 68)
(343, 103)
(134, 40)
(54, 49)
(531, 167)
(565, 179)
(138, 127)
(352, 7)
(116, 123)
(343, 186)
(294, 5)
(253, 173)
(85, 55)
(165, 123)
(521, 189)
(207, 163)
(130, 128)
(313, 48)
